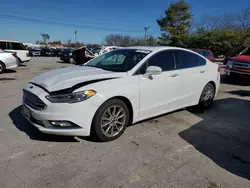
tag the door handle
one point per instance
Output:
(174, 75)
(202, 71)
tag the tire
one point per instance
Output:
(2, 67)
(72, 61)
(105, 122)
(207, 97)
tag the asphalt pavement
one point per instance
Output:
(183, 149)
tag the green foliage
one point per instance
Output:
(221, 34)
(221, 41)
(175, 24)
(45, 37)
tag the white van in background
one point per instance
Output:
(15, 46)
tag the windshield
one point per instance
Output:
(118, 60)
(246, 51)
(96, 50)
(204, 53)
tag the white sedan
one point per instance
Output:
(119, 88)
(8, 60)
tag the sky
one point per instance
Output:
(95, 19)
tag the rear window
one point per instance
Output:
(204, 53)
(17, 46)
(3, 45)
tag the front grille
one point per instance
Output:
(33, 101)
(241, 65)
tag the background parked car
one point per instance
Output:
(66, 56)
(34, 52)
(206, 53)
(47, 52)
(82, 55)
(239, 65)
(102, 50)
(15, 46)
(8, 60)
(96, 51)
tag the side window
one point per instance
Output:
(17, 46)
(2, 45)
(164, 60)
(186, 59)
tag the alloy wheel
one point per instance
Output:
(208, 95)
(113, 120)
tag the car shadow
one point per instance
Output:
(22, 65)
(241, 93)
(24, 125)
(7, 79)
(62, 62)
(240, 81)
(9, 71)
(223, 135)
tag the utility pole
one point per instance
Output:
(75, 37)
(145, 35)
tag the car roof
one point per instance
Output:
(10, 41)
(155, 48)
(200, 49)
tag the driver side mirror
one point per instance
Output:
(153, 70)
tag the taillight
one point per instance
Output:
(14, 54)
(218, 68)
(212, 59)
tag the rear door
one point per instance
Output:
(192, 72)
(20, 49)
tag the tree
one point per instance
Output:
(113, 40)
(68, 42)
(45, 37)
(175, 24)
(127, 40)
(222, 34)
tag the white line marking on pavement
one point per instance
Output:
(1, 129)
(51, 145)
(17, 154)
(180, 150)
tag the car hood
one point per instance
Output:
(68, 77)
(241, 58)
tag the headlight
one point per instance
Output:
(71, 97)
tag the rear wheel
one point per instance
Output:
(111, 120)
(207, 96)
(2, 67)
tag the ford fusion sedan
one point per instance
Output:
(117, 89)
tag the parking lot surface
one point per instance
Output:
(185, 148)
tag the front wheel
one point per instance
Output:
(207, 96)
(111, 120)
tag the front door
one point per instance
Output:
(159, 93)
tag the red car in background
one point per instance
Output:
(239, 65)
(206, 53)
